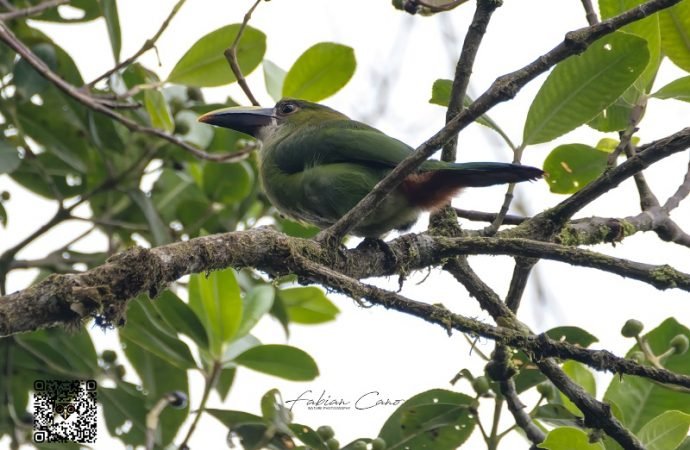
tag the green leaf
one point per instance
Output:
(121, 406)
(308, 305)
(66, 354)
(159, 378)
(321, 71)
(678, 89)
(233, 419)
(273, 410)
(440, 95)
(274, 77)
(308, 436)
(571, 167)
(569, 438)
(204, 64)
(3, 215)
(558, 415)
(580, 87)
(159, 230)
(572, 335)
(228, 183)
(195, 133)
(665, 431)
(142, 330)
(29, 82)
(579, 373)
(255, 304)
(81, 11)
(32, 175)
(158, 110)
(675, 34)
(179, 316)
(638, 399)
(282, 361)
(112, 22)
(216, 301)
(225, 381)
(9, 157)
(437, 419)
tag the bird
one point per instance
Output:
(316, 164)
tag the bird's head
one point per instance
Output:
(262, 123)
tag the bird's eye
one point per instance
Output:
(288, 108)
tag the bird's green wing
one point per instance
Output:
(340, 141)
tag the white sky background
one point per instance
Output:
(374, 349)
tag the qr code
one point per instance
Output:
(65, 411)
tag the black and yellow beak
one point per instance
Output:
(248, 120)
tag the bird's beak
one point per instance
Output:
(245, 119)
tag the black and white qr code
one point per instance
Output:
(65, 411)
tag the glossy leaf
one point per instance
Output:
(165, 345)
(225, 381)
(3, 215)
(9, 157)
(274, 77)
(227, 183)
(124, 410)
(308, 305)
(666, 431)
(158, 110)
(32, 172)
(437, 419)
(639, 400)
(678, 89)
(195, 133)
(179, 316)
(569, 438)
(204, 64)
(159, 230)
(580, 87)
(71, 355)
(159, 378)
(558, 415)
(572, 335)
(112, 22)
(282, 361)
(255, 304)
(216, 301)
(440, 95)
(571, 167)
(579, 373)
(321, 71)
(81, 11)
(308, 436)
(26, 79)
(675, 34)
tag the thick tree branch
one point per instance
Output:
(503, 89)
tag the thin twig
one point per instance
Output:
(681, 193)
(93, 103)
(148, 45)
(211, 380)
(479, 216)
(590, 14)
(231, 56)
(503, 89)
(32, 10)
(463, 68)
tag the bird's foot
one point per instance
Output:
(379, 244)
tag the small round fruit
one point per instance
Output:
(378, 444)
(638, 357)
(359, 445)
(546, 389)
(480, 385)
(332, 444)
(109, 356)
(325, 432)
(680, 344)
(178, 399)
(632, 328)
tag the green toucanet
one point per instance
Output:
(316, 164)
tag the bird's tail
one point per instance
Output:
(436, 183)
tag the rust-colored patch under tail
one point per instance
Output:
(431, 190)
